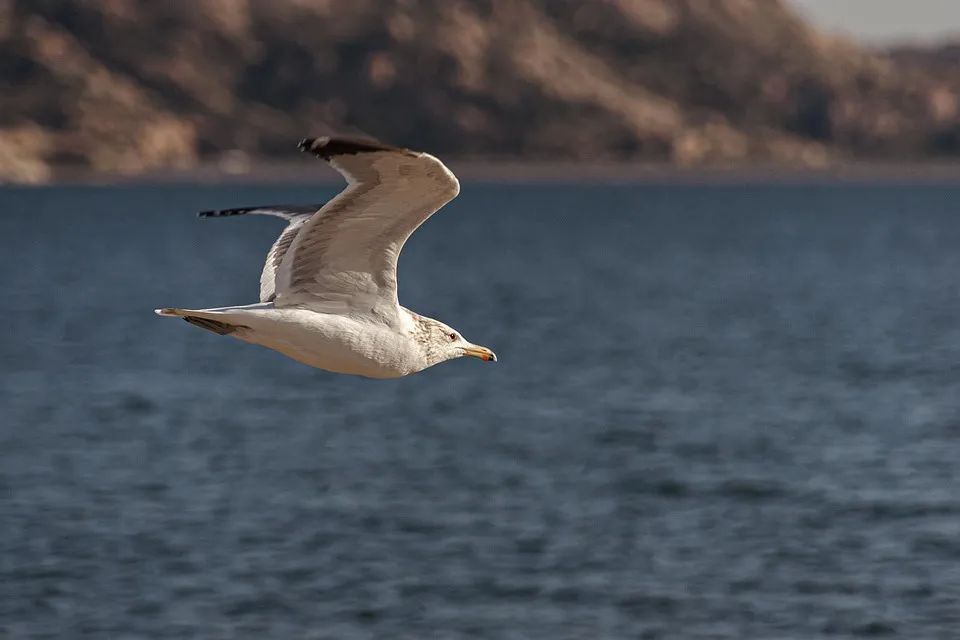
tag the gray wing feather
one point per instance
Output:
(347, 253)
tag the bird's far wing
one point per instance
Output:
(347, 253)
(294, 214)
(285, 211)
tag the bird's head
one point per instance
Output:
(442, 343)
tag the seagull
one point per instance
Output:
(328, 290)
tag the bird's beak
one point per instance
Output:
(480, 352)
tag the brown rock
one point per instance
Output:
(129, 86)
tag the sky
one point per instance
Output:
(886, 21)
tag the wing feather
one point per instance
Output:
(284, 211)
(347, 253)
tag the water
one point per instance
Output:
(719, 412)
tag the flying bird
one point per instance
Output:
(328, 290)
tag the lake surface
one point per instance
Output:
(719, 412)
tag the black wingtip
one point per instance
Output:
(222, 213)
(327, 147)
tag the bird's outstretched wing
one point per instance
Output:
(346, 254)
(294, 214)
(285, 211)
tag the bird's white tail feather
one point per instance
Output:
(176, 312)
(204, 318)
(171, 312)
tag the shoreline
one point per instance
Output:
(521, 172)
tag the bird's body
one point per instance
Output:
(328, 288)
(338, 343)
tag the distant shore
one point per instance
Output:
(586, 172)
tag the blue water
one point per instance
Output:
(719, 412)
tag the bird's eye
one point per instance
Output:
(452, 336)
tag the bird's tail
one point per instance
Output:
(171, 312)
(216, 326)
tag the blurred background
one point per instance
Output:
(714, 244)
(127, 87)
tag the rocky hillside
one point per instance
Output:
(130, 85)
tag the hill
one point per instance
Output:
(129, 86)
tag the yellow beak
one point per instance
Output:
(480, 352)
